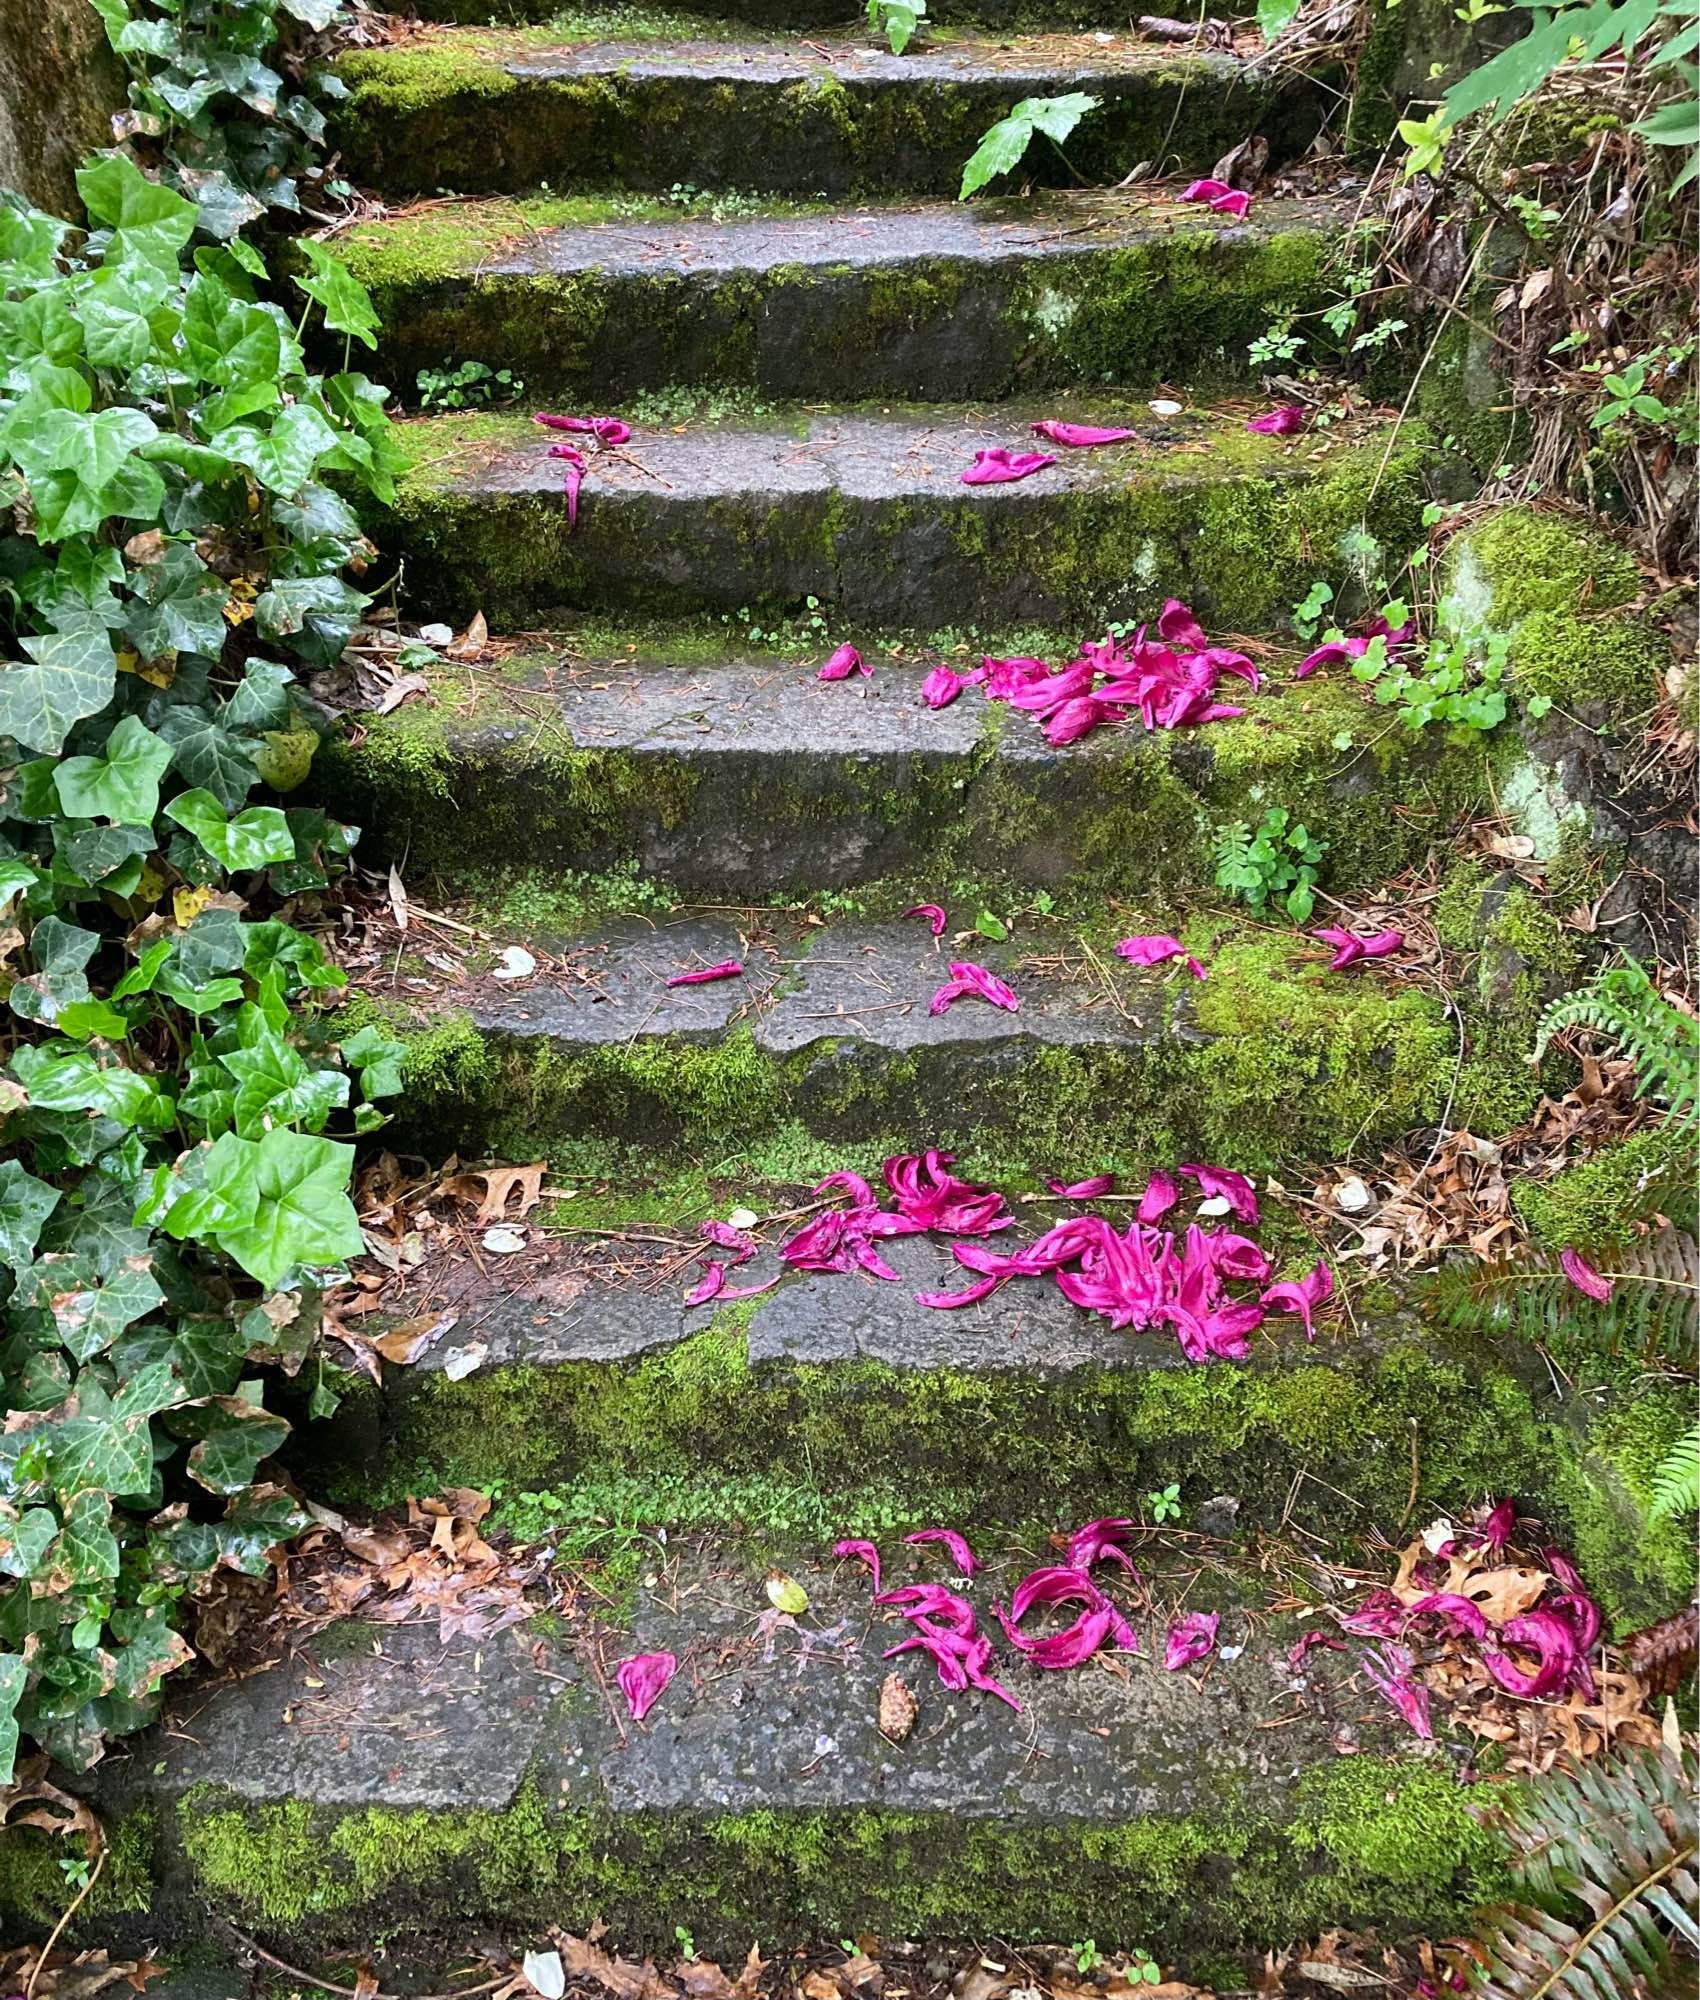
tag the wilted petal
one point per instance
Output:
(1281, 421)
(1301, 1295)
(1159, 1197)
(1078, 718)
(945, 1301)
(1177, 626)
(923, 1601)
(1384, 944)
(572, 477)
(1078, 434)
(960, 1553)
(870, 1260)
(1347, 948)
(642, 1679)
(729, 968)
(1390, 1672)
(863, 1552)
(1233, 1188)
(1100, 1541)
(1298, 1653)
(709, 1286)
(969, 978)
(1548, 1635)
(609, 430)
(1190, 1638)
(1154, 949)
(1235, 202)
(994, 467)
(976, 1657)
(1205, 190)
(1462, 1614)
(730, 1239)
(934, 915)
(944, 684)
(1086, 1190)
(1590, 1282)
(842, 664)
(944, 1655)
(1334, 653)
(1006, 678)
(853, 1184)
(1380, 1616)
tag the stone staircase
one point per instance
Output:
(657, 722)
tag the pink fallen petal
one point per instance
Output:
(923, 1603)
(1380, 1616)
(1390, 1672)
(1177, 626)
(1078, 434)
(1461, 1614)
(1298, 1653)
(1235, 203)
(610, 430)
(1281, 421)
(870, 1260)
(1077, 718)
(947, 1301)
(1332, 653)
(1006, 678)
(1231, 1187)
(1073, 1647)
(853, 1184)
(730, 1294)
(934, 915)
(1548, 1635)
(730, 1239)
(1591, 1283)
(967, 978)
(863, 1552)
(842, 664)
(1384, 944)
(960, 1553)
(1154, 949)
(1301, 1295)
(1100, 1541)
(999, 464)
(1205, 190)
(1501, 1519)
(1347, 948)
(710, 1286)
(1190, 1638)
(572, 478)
(642, 1680)
(1086, 1190)
(944, 684)
(976, 1657)
(729, 968)
(944, 1655)
(1159, 1197)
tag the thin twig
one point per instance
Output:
(53, 1936)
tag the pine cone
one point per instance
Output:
(898, 1708)
(1659, 1655)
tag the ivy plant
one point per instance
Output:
(177, 1116)
(1005, 144)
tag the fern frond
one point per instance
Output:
(1663, 1043)
(1608, 1857)
(1653, 1312)
(1676, 1479)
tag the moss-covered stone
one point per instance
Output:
(1599, 1200)
(34, 1891)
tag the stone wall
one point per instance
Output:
(59, 85)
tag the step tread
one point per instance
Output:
(496, 239)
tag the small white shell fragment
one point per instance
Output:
(504, 1239)
(1162, 407)
(517, 963)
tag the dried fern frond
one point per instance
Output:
(1653, 1312)
(1661, 1654)
(1661, 1040)
(1617, 1839)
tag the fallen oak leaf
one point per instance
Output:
(494, 1187)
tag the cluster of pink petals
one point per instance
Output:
(1190, 1638)
(1073, 1647)
(968, 979)
(1153, 949)
(607, 430)
(1078, 435)
(1337, 652)
(704, 975)
(1349, 948)
(1280, 422)
(712, 1284)
(999, 464)
(946, 1626)
(572, 478)
(1591, 1283)
(842, 664)
(1219, 196)
(934, 914)
(927, 1196)
(642, 1680)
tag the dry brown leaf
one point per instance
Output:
(365, 1981)
(471, 642)
(819, 1986)
(494, 1187)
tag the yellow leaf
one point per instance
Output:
(786, 1594)
(188, 903)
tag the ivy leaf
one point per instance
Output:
(13, 1674)
(154, 223)
(24, 1539)
(1274, 17)
(208, 755)
(86, 1020)
(60, 951)
(204, 1355)
(87, 1547)
(149, 1649)
(124, 784)
(250, 839)
(221, 207)
(60, 1076)
(69, 675)
(91, 1302)
(179, 606)
(303, 1215)
(284, 458)
(316, 14)
(1005, 143)
(262, 699)
(346, 303)
(95, 1451)
(25, 1204)
(378, 1057)
(240, 1434)
(274, 1085)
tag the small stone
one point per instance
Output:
(898, 1708)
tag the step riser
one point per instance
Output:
(944, 327)
(1240, 551)
(502, 133)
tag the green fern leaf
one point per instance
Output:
(1676, 1479)
(1663, 1043)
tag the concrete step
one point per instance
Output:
(719, 770)
(382, 1780)
(941, 299)
(865, 513)
(491, 111)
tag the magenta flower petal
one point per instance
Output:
(1086, 1190)
(1335, 653)
(1190, 1638)
(1548, 1635)
(870, 1260)
(976, 1657)
(1301, 1295)
(933, 914)
(1006, 678)
(920, 1602)
(710, 1286)
(1298, 1653)
(730, 1239)
(1496, 1529)
(947, 996)
(863, 1552)
(1100, 1541)
(1281, 421)
(642, 1680)
(1462, 1614)
(853, 1184)
(1078, 434)
(968, 978)
(960, 1553)
(1235, 203)
(1177, 626)
(572, 477)
(1154, 948)
(1159, 1197)
(1077, 718)
(1390, 1672)
(1588, 1281)
(943, 1654)
(730, 968)
(1204, 190)
(842, 664)
(1384, 944)
(1380, 1616)
(609, 429)
(947, 1301)
(1233, 1188)
(999, 464)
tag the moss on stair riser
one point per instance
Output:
(1360, 1841)
(432, 116)
(1240, 545)
(1183, 306)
